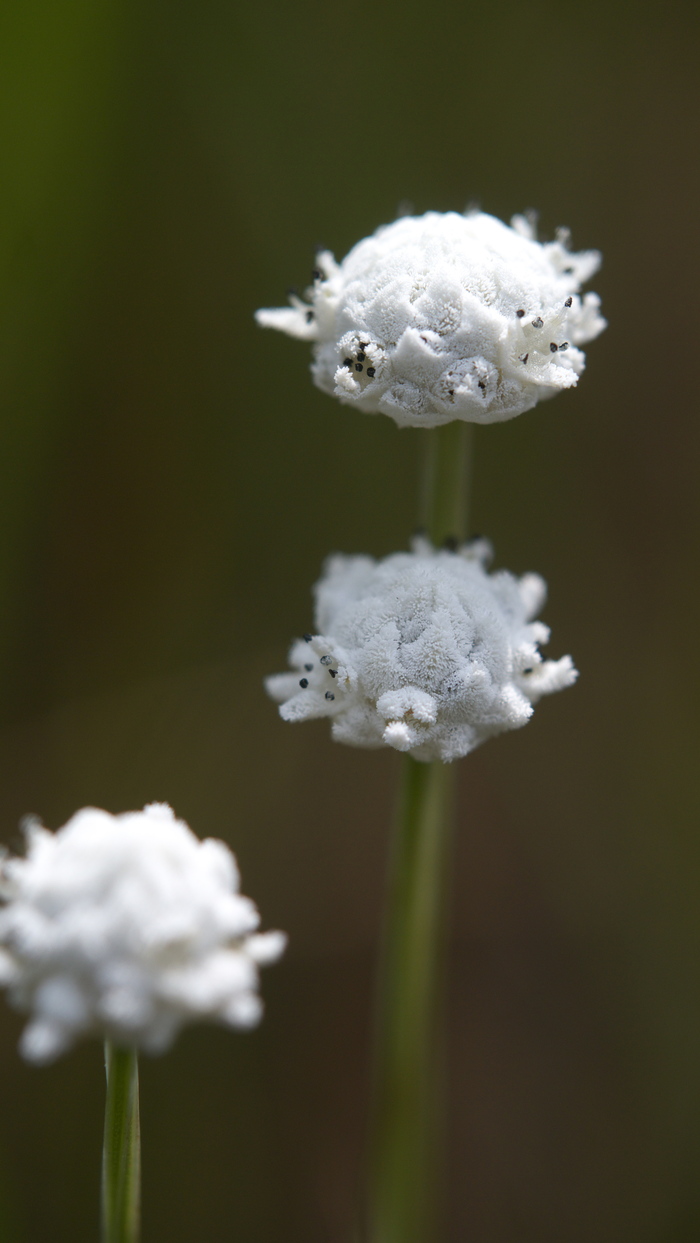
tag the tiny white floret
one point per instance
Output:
(447, 316)
(127, 927)
(423, 651)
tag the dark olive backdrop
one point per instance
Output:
(171, 482)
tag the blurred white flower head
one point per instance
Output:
(423, 651)
(127, 927)
(447, 316)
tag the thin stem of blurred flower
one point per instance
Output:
(405, 1141)
(121, 1153)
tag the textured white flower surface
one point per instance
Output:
(423, 651)
(447, 316)
(128, 927)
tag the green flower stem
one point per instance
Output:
(446, 481)
(405, 1128)
(121, 1153)
(405, 1139)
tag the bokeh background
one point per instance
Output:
(170, 483)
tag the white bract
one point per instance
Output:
(423, 651)
(127, 927)
(447, 316)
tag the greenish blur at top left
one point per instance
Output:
(60, 132)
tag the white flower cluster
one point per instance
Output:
(422, 651)
(127, 926)
(447, 316)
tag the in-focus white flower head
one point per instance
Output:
(447, 316)
(423, 651)
(128, 927)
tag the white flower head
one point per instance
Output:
(127, 927)
(447, 316)
(423, 651)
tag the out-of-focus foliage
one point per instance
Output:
(166, 506)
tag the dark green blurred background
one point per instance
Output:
(171, 482)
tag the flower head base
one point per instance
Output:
(444, 316)
(127, 926)
(423, 651)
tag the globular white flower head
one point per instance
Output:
(423, 651)
(127, 927)
(447, 316)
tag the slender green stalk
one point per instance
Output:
(446, 480)
(405, 1140)
(121, 1153)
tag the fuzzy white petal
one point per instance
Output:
(447, 316)
(127, 926)
(423, 652)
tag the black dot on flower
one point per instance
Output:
(519, 314)
(363, 345)
(568, 271)
(347, 362)
(326, 660)
(303, 682)
(371, 372)
(553, 346)
(359, 367)
(307, 637)
(309, 317)
(529, 670)
(317, 275)
(361, 356)
(524, 358)
(309, 668)
(538, 323)
(330, 695)
(564, 345)
(568, 302)
(333, 673)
